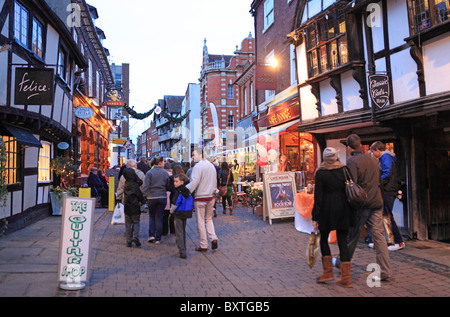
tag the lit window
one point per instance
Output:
(428, 13)
(37, 38)
(12, 161)
(44, 162)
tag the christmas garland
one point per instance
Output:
(141, 116)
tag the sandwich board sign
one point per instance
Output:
(279, 195)
(75, 242)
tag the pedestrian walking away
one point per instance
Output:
(331, 211)
(181, 210)
(133, 199)
(204, 183)
(226, 180)
(390, 191)
(365, 172)
(156, 190)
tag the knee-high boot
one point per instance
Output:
(327, 270)
(345, 280)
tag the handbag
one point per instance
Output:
(223, 190)
(356, 195)
(313, 248)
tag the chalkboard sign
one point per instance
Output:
(34, 86)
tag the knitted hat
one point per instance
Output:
(330, 155)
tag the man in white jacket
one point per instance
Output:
(204, 183)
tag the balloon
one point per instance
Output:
(261, 162)
(262, 140)
(268, 146)
(272, 155)
(275, 143)
(262, 152)
(268, 138)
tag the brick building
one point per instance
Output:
(219, 96)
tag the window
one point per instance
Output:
(44, 163)
(230, 121)
(12, 165)
(245, 101)
(36, 38)
(62, 64)
(21, 24)
(428, 13)
(326, 43)
(230, 92)
(91, 80)
(268, 13)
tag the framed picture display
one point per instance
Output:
(279, 195)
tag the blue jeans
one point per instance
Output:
(156, 216)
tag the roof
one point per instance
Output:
(174, 103)
(218, 58)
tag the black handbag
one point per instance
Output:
(356, 195)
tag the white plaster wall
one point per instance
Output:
(436, 58)
(309, 109)
(350, 92)
(29, 199)
(328, 98)
(404, 77)
(397, 12)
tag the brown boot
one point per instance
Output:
(345, 280)
(327, 270)
(231, 211)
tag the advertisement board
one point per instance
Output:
(279, 195)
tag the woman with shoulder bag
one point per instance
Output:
(332, 212)
(226, 181)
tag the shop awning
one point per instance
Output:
(291, 125)
(23, 136)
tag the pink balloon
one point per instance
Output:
(262, 140)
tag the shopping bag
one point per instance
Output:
(313, 248)
(118, 215)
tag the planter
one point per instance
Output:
(57, 202)
(259, 210)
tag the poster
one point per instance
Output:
(279, 195)
(75, 242)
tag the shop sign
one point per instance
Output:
(84, 112)
(119, 141)
(34, 86)
(114, 98)
(379, 90)
(76, 239)
(281, 113)
(279, 195)
(265, 78)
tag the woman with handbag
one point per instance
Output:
(332, 212)
(226, 187)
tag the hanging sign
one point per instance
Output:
(34, 86)
(379, 90)
(84, 112)
(279, 195)
(114, 98)
(265, 78)
(75, 243)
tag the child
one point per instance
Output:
(133, 199)
(182, 206)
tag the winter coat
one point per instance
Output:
(331, 209)
(132, 193)
(389, 180)
(182, 198)
(365, 172)
(156, 183)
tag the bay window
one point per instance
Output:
(427, 13)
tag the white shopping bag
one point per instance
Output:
(118, 215)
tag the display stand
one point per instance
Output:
(279, 195)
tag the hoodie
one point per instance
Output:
(182, 203)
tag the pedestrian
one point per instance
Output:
(97, 188)
(226, 180)
(390, 191)
(332, 212)
(121, 186)
(132, 201)
(156, 190)
(168, 221)
(181, 210)
(365, 172)
(143, 165)
(189, 171)
(204, 183)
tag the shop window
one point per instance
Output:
(326, 43)
(44, 174)
(21, 24)
(13, 160)
(428, 13)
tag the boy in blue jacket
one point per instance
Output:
(182, 205)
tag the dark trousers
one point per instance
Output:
(180, 233)
(341, 236)
(132, 226)
(168, 223)
(156, 216)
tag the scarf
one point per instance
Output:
(330, 165)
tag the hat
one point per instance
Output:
(330, 155)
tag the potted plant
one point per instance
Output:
(64, 170)
(255, 193)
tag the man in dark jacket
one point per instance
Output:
(365, 172)
(97, 187)
(142, 165)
